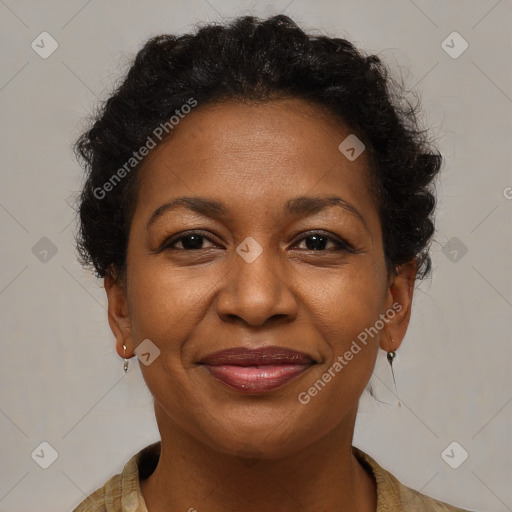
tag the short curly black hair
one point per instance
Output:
(250, 59)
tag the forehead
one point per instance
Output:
(247, 153)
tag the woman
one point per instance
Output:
(259, 204)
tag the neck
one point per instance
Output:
(325, 476)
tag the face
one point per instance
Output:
(259, 268)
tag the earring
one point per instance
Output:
(125, 365)
(391, 356)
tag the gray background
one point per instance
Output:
(62, 381)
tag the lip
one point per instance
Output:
(257, 370)
(242, 356)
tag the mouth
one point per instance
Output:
(257, 370)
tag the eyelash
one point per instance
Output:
(342, 244)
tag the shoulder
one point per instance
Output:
(416, 501)
(122, 491)
(104, 498)
(393, 495)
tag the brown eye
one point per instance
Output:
(318, 242)
(189, 242)
(194, 240)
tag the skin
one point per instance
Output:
(223, 450)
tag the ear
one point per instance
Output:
(399, 301)
(118, 314)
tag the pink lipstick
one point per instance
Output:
(257, 370)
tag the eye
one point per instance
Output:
(194, 240)
(317, 242)
(189, 242)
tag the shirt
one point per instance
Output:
(122, 493)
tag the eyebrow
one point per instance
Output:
(301, 206)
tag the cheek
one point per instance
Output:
(346, 303)
(165, 301)
(345, 310)
(165, 307)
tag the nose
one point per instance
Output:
(257, 292)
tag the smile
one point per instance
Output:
(256, 379)
(257, 370)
